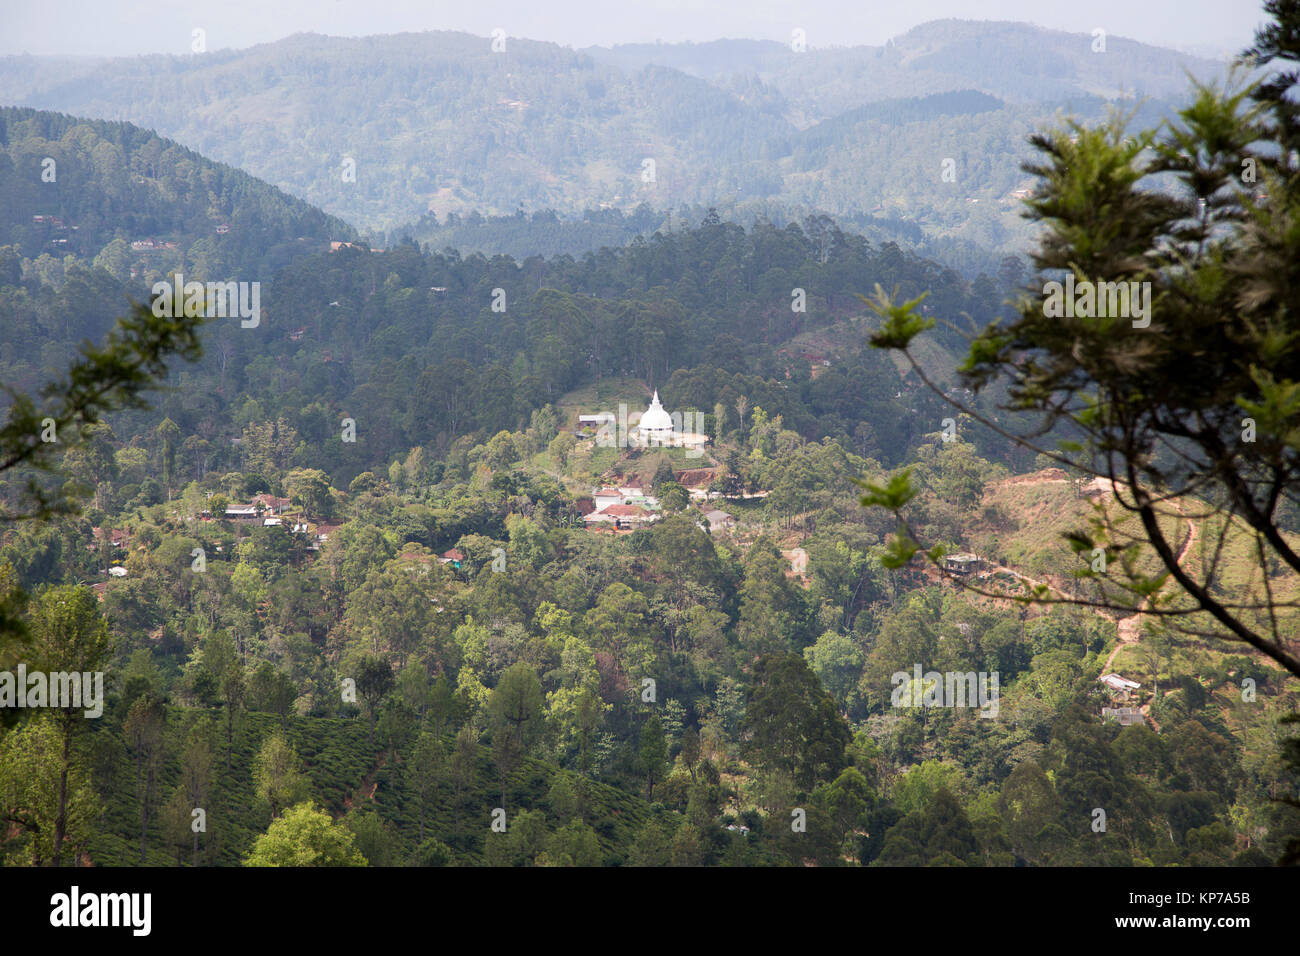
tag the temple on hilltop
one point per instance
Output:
(658, 428)
(656, 425)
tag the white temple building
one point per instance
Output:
(658, 428)
(656, 425)
(655, 428)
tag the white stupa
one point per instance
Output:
(656, 424)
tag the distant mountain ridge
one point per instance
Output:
(381, 130)
(1018, 62)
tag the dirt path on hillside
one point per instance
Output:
(1130, 628)
(1004, 569)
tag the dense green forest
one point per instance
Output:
(124, 199)
(409, 345)
(411, 629)
(367, 585)
(665, 696)
(549, 234)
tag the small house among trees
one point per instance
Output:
(963, 562)
(1119, 687)
(719, 520)
(1125, 716)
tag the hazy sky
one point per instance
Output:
(127, 27)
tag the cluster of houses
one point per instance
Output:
(54, 224)
(272, 511)
(1120, 689)
(626, 506)
(149, 245)
(117, 540)
(622, 507)
(267, 507)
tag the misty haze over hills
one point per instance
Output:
(438, 122)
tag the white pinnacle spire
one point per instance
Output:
(655, 420)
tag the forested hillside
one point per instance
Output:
(681, 468)
(140, 205)
(411, 345)
(342, 581)
(383, 130)
(442, 646)
(1017, 62)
